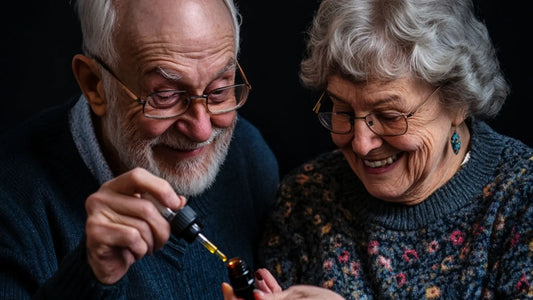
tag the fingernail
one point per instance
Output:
(258, 276)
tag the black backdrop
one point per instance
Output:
(39, 38)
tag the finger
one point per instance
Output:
(259, 295)
(111, 249)
(130, 211)
(261, 284)
(143, 215)
(141, 181)
(102, 234)
(153, 238)
(309, 292)
(107, 269)
(227, 292)
(267, 280)
(163, 210)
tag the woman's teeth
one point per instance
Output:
(381, 163)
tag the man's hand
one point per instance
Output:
(122, 227)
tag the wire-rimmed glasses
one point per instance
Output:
(172, 103)
(382, 124)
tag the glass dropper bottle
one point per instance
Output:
(241, 278)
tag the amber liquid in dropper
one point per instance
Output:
(211, 247)
(187, 221)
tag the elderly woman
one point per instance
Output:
(422, 200)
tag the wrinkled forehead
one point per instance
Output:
(183, 19)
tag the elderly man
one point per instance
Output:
(83, 184)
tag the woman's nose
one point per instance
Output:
(364, 140)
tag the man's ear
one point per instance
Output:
(89, 79)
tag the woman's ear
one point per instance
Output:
(460, 116)
(89, 79)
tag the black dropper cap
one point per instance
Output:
(184, 225)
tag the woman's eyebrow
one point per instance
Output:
(332, 95)
(389, 99)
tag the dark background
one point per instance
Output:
(39, 38)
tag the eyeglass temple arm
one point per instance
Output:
(244, 76)
(318, 104)
(424, 102)
(130, 94)
(122, 85)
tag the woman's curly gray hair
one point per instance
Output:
(438, 41)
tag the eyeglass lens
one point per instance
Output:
(342, 123)
(166, 104)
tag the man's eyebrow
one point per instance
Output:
(175, 76)
(168, 74)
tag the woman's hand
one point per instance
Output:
(296, 292)
(269, 289)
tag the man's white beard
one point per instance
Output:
(188, 177)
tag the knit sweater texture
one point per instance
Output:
(44, 183)
(471, 239)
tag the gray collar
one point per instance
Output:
(82, 130)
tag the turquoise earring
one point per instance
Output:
(456, 142)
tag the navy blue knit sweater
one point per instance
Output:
(471, 239)
(43, 187)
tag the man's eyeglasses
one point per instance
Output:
(382, 124)
(172, 103)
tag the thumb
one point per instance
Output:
(227, 292)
